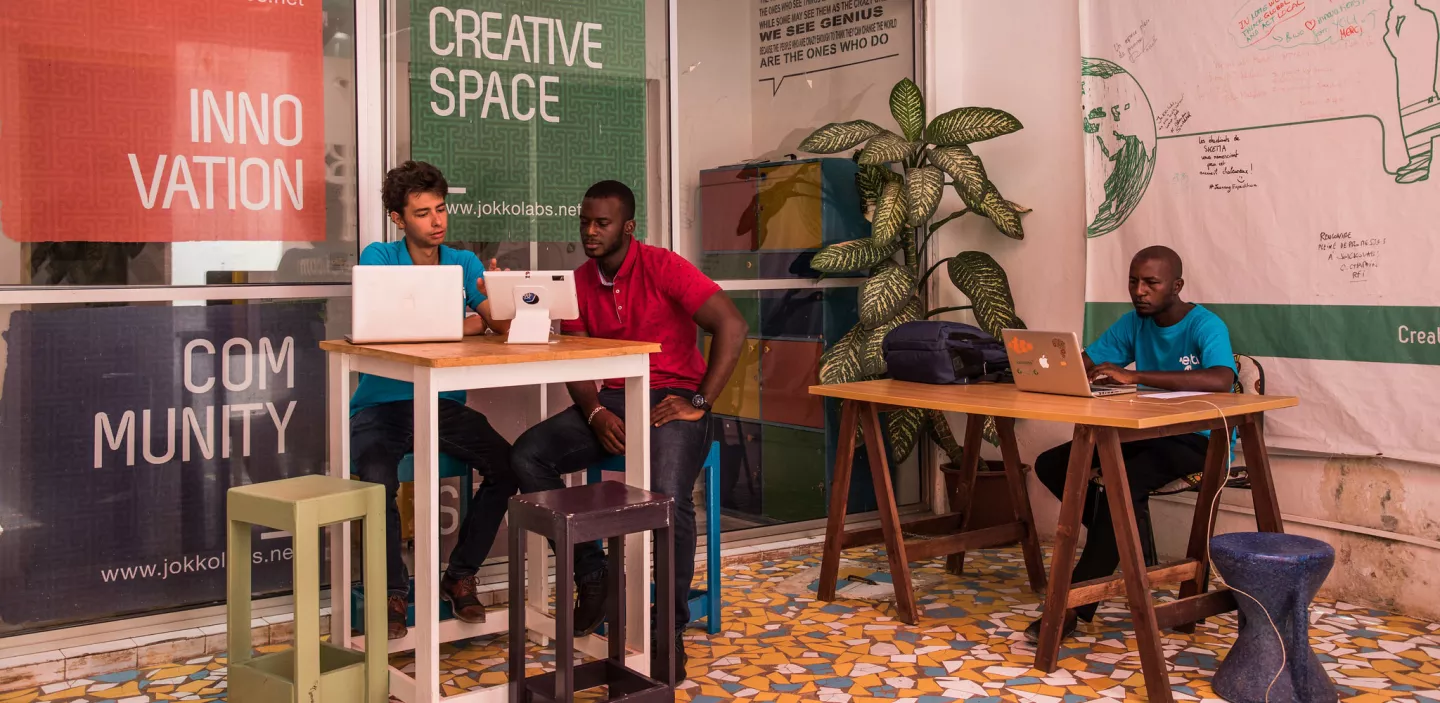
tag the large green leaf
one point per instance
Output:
(903, 428)
(852, 256)
(907, 105)
(869, 180)
(885, 148)
(839, 136)
(923, 189)
(887, 291)
(889, 219)
(967, 125)
(1002, 213)
(942, 435)
(988, 431)
(841, 362)
(872, 354)
(981, 279)
(965, 168)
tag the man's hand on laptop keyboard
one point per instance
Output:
(1111, 375)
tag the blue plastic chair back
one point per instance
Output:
(704, 602)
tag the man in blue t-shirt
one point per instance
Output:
(1175, 346)
(382, 412)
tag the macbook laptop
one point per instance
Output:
(407, 304)
(1052, 362)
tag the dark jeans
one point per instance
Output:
(564, 444)
(1149, 464)
(381, 435)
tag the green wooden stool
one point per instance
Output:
(311, 671)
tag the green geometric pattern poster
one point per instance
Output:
(526, 103)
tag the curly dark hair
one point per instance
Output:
(409, 178)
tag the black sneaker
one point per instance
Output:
(1032, 633)
(681, 660)
(592, 596)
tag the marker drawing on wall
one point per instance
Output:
(1120, 143)
(1412, 36)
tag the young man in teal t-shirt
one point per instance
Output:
(1175, 346)
(382, 411)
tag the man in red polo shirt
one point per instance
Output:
(629, 290)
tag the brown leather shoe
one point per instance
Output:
(463, 601)
(395, 608)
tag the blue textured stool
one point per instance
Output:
(703, 602)
(450, 467)
(1283, 572)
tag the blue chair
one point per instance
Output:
(450, 467)
(703, 602)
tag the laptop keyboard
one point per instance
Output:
(1097, 388)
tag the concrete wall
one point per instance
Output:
(1382, 515)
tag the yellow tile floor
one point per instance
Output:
(780, 644)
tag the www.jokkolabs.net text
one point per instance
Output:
(495, 208)
(195, 563)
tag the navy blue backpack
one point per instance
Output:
(932, 351)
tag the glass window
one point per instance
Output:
(524, 104)
(162, 143)
(114, 463)
(753, 84)
(176, 143)
(754, 210)
(777, 441)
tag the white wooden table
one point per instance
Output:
(479, 363)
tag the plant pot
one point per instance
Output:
(991, 503)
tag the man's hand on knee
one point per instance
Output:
(609, 429)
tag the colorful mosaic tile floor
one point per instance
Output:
(782, 645)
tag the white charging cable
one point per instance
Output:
(1213, 511)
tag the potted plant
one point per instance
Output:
(901, 179)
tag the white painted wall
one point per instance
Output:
(1023, 56)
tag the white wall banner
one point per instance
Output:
(1285, 150)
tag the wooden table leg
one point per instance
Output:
(839, 499)
(889, 515)
(1067, 534)
(1132, 566)
(1203, 524)
(1020, 503)
(969, 465)
(1262, 484)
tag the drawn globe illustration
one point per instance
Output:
(1119, 143)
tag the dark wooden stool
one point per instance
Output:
(607, 510)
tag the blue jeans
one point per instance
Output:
(381, 435)
(564, 444)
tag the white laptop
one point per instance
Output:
(1054, 363)
(407, 304)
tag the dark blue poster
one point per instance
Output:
(121, 429)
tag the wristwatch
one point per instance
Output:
(699, 401)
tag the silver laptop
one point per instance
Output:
(1052, 362)
(407, 304)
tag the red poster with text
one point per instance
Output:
(161, 120)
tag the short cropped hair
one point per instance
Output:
(617, 190)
